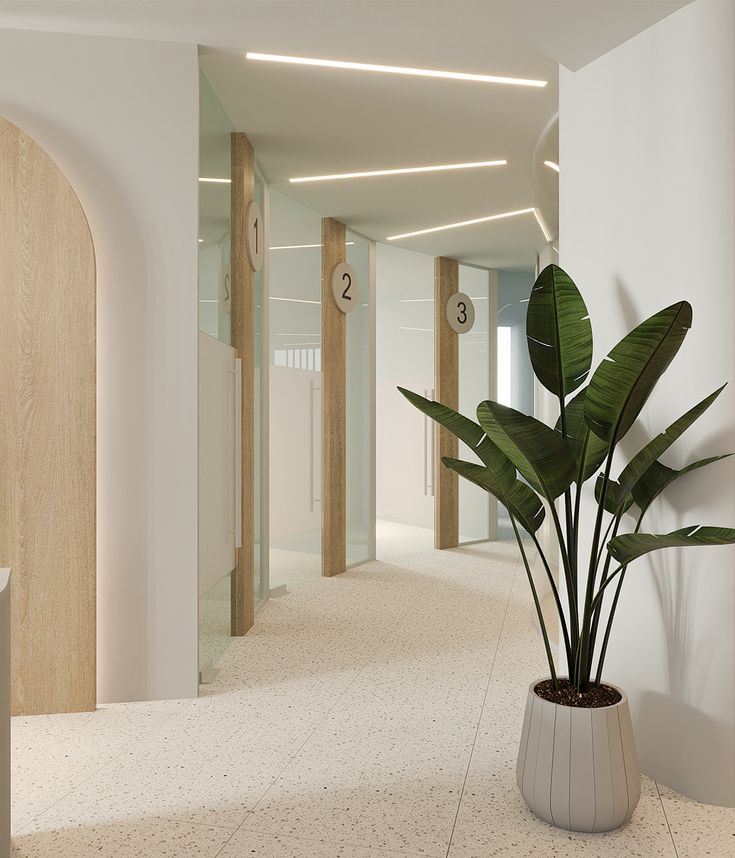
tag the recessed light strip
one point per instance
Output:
(213, 181)
(400, 171)
(554, 166)
(302, 246)
(372, 67)
(460, 223)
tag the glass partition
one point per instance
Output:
(260, 560)
(477, 512)
(216, 368)
(404, 437)
(214, 214)
(514, 371)
(295, 392)
(359, 409)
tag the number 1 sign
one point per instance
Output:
(254, 235)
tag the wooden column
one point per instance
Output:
(334, 407)
(446, 384)
(48, 395)
(242, 191)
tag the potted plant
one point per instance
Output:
(577, 763)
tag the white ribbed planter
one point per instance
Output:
(578, 768)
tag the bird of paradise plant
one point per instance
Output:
(523, 462)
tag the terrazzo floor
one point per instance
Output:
(373, 715)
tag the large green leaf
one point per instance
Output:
(520, 500)
(582, 441)
(658, 477)
(559, 332)
(622, 383)
(467, 431)
(615, 500)
(539, 452)
(642, 460)
(627, 548)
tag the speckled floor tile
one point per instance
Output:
(373, 715)
(252, 843)
(699, 830)
(132, 839)
(206, 784)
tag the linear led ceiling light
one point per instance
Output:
(399, 172)
(372, 67)
(214, 181)
(552, 164)
(460, 223)
(302, 246)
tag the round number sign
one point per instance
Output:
(460, 313)
(254, 235)
(345, 289)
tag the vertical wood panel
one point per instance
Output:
(334, 440)
(5, 748)
(242, 191)
(47, 430)
(446, 383)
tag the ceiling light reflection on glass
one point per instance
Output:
(542, 225)
(461, 223)
(398, 171)
(404, 70)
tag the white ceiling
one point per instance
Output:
(306, 121)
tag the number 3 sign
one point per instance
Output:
(345, 289)
(460, 313)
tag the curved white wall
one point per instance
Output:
(120, 119)
(647, 218)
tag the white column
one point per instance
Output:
(647, 218)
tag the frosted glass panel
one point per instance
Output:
(214, 214)
(359, 409)
(295, 392)
(405, 357)
(514, 372)
(475, 507)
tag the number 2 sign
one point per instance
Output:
(345, 289)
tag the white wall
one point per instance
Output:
(120, 118)
(647, 218)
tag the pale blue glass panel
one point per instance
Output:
(359, 408)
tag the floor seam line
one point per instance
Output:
(77, 785)
(666, 818)
(482, 708)
(344, 843)
(296, 753)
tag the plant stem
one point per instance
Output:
(582, 678)
(568, 519)
(555, 591)
(613, 607)
(571, 588)
(536, 602)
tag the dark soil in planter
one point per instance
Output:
(595, 697)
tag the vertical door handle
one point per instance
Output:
(238, 452)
